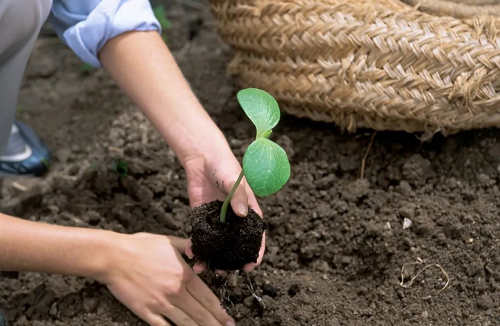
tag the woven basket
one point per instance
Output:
(381, 64)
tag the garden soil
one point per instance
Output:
(336, 243)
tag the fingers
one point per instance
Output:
(189, 250)
(180, 317)
(155, 320)
(239, 203)
(221, 273)
(248, 267)
(196, 312)
(199, 268)
(180, 244)
(206, 302)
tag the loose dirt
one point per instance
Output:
(336, 243)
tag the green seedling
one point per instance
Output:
(120, 168)
(85, 69)
(265, 164)
(165, 24)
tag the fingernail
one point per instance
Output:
(242, 209)
(230, 323)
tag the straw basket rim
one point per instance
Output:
(380, 64)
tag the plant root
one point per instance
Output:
(252, 291)
(420, 261)
(365, 157)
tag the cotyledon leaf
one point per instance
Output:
(261, 108)
(266, 167)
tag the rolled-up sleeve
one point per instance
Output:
(86, 25)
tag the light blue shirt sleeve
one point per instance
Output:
(86, 25)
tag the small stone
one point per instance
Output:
(326, 182)
(43, 68)
(54, 209)
(408, 242)
(232, 280)
(425, 314)
(404, 188)
(53, 310)
(268, 289)
(407, 211)
(356, 190)
(494, 151)
(452, 183)
(483, 179)
(92, 217)
(485, 302)
(406, 223)
(294, 265)
(266, 301)
(101, 308)
(90, 304)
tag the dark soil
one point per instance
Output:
(335, 243)
(225, 246)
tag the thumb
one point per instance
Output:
(239, 202)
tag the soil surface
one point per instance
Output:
(225, 246)
(336, 243)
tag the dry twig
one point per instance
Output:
(365, 157)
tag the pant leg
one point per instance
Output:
(20, 23)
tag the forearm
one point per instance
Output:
(144, 68)
(37, 247)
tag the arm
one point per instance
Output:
(144, 68)
(28, 246)
(145, 272)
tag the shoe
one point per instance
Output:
(3, 321)
(25, 155)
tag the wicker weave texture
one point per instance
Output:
(378, 64)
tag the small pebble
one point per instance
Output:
(90, 304)
(406, 223)
(53, 310)
(485, 302)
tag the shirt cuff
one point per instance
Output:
(108, 19)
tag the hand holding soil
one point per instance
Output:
(148, 274)
(220, 238)
(211, 179)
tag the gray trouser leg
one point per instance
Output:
(20, 23)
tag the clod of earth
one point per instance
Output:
(225, 246)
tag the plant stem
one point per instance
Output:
(223, 211)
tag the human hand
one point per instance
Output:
(211, 177)
(147, 274)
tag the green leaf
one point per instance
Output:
(86, 68)
(159, 13)
(261, 108)
(120, 168)
(266, 167)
